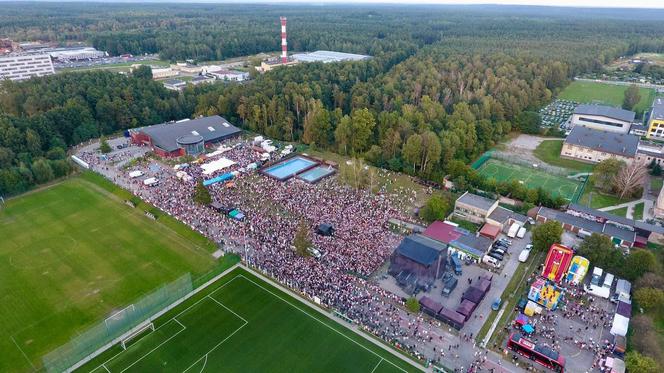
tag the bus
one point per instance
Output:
(539, 353)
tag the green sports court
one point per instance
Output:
(531, 178)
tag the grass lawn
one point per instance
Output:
(620, 212)
(549, 152)
(593, 198)
(471, 227)
(607, 94)
(656, 184)
(72, 253)
(243, 324)
(638, 211)
(117, 67)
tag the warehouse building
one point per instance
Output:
(21, 67)
(604, 118)
(329, 56)
(593, 146)
(185, 137)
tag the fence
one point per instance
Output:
(86, 344)
(481, 160)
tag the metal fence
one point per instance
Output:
(116, 325)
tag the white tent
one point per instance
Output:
(214, 166)
(151, 181)
(135, 174)
(620, 325)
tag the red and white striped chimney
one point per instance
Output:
(284, 43)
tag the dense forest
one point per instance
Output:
(444, 83)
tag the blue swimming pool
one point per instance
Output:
(289, 168)
(316, 173)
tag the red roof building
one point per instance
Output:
(490, 231)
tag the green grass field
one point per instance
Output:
(602, 93)
(530, 177)
(622, 211)
(243, 324)
(548, 151)
(69, 255)
(638, 211)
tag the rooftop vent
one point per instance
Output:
(194, 133)
(211, 129)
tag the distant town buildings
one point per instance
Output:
(21, 67)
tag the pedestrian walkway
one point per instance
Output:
(647, 208)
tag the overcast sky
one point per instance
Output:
(584, 3)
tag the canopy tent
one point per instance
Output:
(528, 329)
(430, 306)
(474, 295)
(624, 309)
(214, 166)
(466, 308)
(620, 325)
(218, 179)
(521, 319)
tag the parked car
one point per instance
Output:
(498, 251)
(505, 241)
(523, 256)
(450, 285)
(495, 255)
(496, 304)
(488, 260)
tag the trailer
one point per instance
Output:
(514, 229)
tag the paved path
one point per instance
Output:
(630, 208)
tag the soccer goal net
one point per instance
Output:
(138, 332)
(118, 327)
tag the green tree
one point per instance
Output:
(605, 172)
(301, 241)
(436, 208)
(363, 124)
(649, 298)
(638, 262)
(632, 97)
(202, 194)
(545, 235)
(601, 252)
(42, 171)
(142, 72)
(656, 170)
(412, 305)
(104, 147)
(635, 362)
(529, 122)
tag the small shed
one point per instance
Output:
(466, 308)
(474, 295)
(490, 231)
(430, 306)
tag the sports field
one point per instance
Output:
(243, 324)
(69, 255)
(530, 177)
(607, 94)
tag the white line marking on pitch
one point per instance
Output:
(376, 367)
(104, 365)
(215, 347)
(173, 318)
(233, 312)
(154, 349)
(204, 364)
(24, 355)
(320, 321)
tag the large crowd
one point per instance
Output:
(273, 210)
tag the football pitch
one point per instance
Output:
(531, 178)
(69, 255)
(241, 323)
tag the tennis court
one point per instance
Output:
(531, 178)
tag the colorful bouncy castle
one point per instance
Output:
(557, 262)
(545, 293)
(577, 270)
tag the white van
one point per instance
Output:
(491, 261)
(521, 232)
(523, 256)
(608, 281)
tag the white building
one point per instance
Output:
(71, 54)
(21, 67)
(175, 84)
(228, 75)
(165, 72)
(604, 118)
(328, 56)
(202, 80)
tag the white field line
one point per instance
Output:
(376, 367)
(204, 364)
(215, 347)
(174, 318)
(315, 318)
(106, 368)
(233, 312)
(23, 352)
(154, 349)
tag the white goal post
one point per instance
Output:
(119, 317)
(135, 333)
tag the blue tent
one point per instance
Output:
(218, 179)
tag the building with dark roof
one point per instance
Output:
(421, 256)
(186, 137)
(458, 239)
(601, 117)
(593, 146)
(474, 208)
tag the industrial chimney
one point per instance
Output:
(284, 43)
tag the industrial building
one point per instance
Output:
(74, 54)
(175, 84)
(601, 117)
(229, 75)
(329, 56)
(656, 120)
(21, 67)
(185, 137)
(593, 146)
